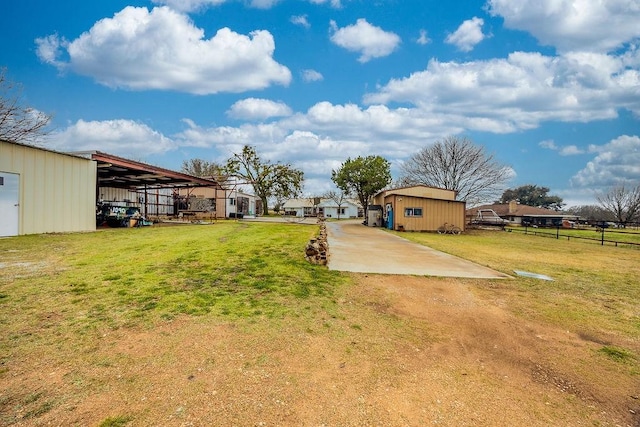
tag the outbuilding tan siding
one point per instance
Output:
(57, 191)
(438, 206)
(435, 213)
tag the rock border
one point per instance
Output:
(316, 251)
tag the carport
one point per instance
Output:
(153, 188)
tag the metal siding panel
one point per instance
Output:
(87, 175)
(57, 192)
(33, 168)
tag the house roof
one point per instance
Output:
(298, 203)
(309, 203)
(330, 203)
(502, 209)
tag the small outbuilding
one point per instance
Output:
(419, 208)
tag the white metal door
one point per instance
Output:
(9, 203)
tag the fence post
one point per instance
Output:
(602, 236)
(557, 232)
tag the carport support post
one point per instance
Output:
(146, 207)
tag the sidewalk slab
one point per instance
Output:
(356, 248)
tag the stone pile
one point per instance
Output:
(316, 250)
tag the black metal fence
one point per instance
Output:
(601, 235)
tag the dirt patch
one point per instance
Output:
(398, 350)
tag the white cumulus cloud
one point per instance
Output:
(585, 25)
(520, 91)
(617, 162)
(566, 150)
(125, 138)
(162, 49)
(468, 34)
(370, 41)
(258, 109)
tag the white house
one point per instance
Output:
(347, 209)
(316, 206)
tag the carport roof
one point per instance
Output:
(114, 171)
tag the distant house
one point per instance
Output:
(347, 209)
(328, 208)
(525, 215)
(416, 208)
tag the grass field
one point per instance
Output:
(608, 236)
(119, 277)
(63, 295)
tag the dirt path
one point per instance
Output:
(397, 351)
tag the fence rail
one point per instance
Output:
(602, 238)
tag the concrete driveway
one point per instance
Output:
(359, 249)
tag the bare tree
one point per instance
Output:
(622, 202)
(202, 168)
(591, 213)
(17, 122)
(457, 164)
(339, 197)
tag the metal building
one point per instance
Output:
(419, 208)
(43, 191)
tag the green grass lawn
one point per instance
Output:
(590, 234)
(120, 277)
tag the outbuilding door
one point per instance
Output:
(9, 203)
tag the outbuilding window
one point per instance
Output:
(412, 211)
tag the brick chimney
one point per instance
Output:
(513, 206)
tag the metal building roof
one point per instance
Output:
(114, 171)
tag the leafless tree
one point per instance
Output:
(203, 168)
(17, 122)
(339, 197)
(623, 202)
(458, 164)
(590, 213)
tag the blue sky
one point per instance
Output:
(550, 87)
